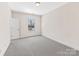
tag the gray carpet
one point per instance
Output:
(39, 46)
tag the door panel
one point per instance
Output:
(14, 26)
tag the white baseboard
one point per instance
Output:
(5, 48)
(61, 42)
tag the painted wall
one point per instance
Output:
(23, 24)
(4, 27)
(62, 25)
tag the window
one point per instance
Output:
(31, 23)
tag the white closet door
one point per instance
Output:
(14, 27)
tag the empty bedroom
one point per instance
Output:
(39, 28)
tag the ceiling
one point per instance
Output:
(30, 7)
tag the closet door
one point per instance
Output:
(30, 25)
(14, 27)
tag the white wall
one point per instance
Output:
(23, 24)
(62, 25)
(4, 27)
